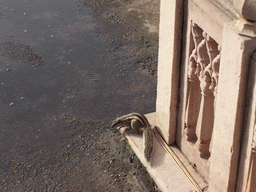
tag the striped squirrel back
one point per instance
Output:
(138, 121)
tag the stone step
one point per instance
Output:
(168, 176)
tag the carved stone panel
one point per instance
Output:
(203, 71)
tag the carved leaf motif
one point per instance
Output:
(203, 58)
(215, 73)
(197, 38)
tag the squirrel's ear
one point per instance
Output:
(112, 124)
(115, 122)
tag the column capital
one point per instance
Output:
(244, 27)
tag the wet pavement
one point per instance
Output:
(56, 66)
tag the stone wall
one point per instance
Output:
(205, 57)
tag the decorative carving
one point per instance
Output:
(194, 95)
(197, 38)
(192, 110)
(207, 84)
(203, 58)
(203, 71)
(215, 72)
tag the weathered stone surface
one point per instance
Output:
(246, 8)
(228, 123)
(168, 67)
(205, 114)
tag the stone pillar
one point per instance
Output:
(247, 160)
(194, 97)
(238, 44)
(170, 38)
(207, 51)
(251, 184)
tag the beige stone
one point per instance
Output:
(199, 70)
(206, 91)
(246, 8)
(163, 169)
(228, 122)
(168, 67)
(248, 145)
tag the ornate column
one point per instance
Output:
(203, 70)
(194, 95)
(207, 51)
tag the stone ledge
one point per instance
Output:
(162, 168)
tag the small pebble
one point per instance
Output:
(25, 31)
(24, 13)
(11, 104)
(22, 98)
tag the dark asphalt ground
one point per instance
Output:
(67, 69)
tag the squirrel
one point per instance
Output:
(139, 123)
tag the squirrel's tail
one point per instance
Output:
(148, 142)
